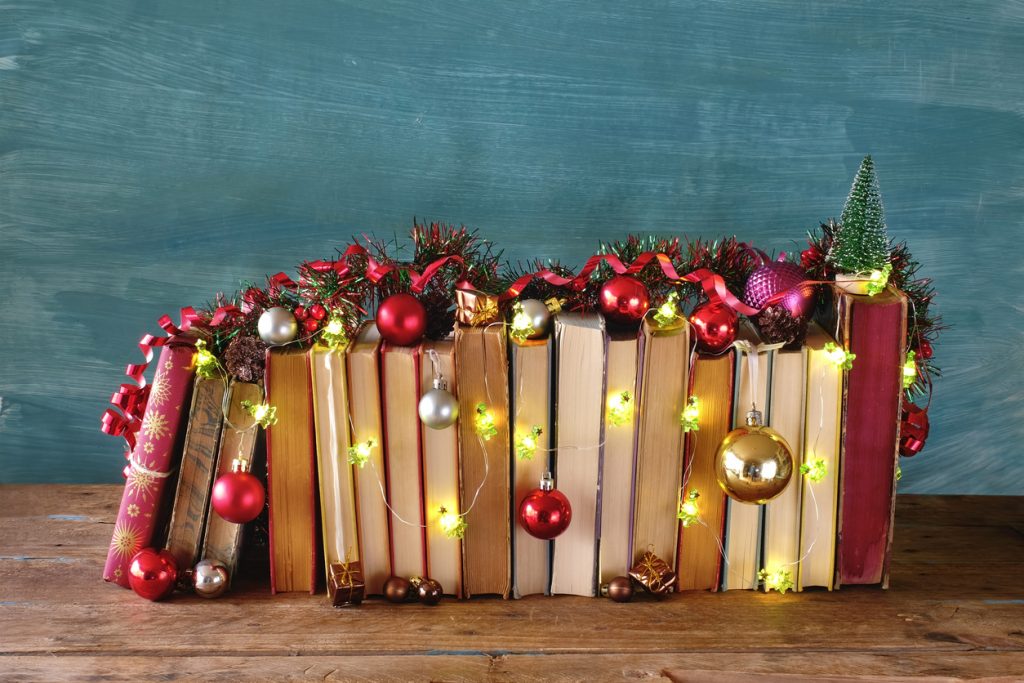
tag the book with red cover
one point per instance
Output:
(875, 329)
(153, 460)
(291, 473)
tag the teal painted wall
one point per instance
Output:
(153, 153)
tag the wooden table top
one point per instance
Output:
(955, 610)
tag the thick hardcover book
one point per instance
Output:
(619, 456)
(481, 365)
(337, 489)
(742, 538)
(403, 461)
(579, 420)
(782, 514)
(660, 441)
(291, 473)
(822, 432)
(195, 477)
(531, 398)
(366, 430)
(441, 473)
(238, 440)
(700, 560)
(153, 461)
(875, 329)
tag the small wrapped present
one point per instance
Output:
(345, 585)
(475, 308)
(654, 574)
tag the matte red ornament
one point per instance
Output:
(317, 311)
(714, 326)
(545, 512)
(153, 574)
(624, 300)
(401, 319)
(238, 496)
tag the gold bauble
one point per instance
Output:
(754, 463)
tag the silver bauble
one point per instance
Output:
(540, 317)
(210, 578)
(438, 408)
(277, 326)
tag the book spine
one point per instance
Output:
(185, 531)
(875, 330)
(153, 461)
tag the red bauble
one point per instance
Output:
(311, 324)
(317, 311)
(401, 319)
(714, 326)
(545, 512)
(780, 276)
(624, 300)
(238, 497)
(152, 574)
(300, 313)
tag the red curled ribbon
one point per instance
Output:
(913, 429)
(129, 401)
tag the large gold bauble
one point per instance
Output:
(753, 464)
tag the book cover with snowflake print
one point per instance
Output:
(152, 461)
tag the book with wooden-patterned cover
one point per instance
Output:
(195, 476)
(403, 458)
(579, 420)
(618, 458)
(366, 428)
(153, 460)
(239, 438)
(291, 473)
(875, 329)
(660, 440)
(441, 473)
(699, 563)
(530, 401)
(482, 373)
(337, 490)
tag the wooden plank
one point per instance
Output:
(955, 609)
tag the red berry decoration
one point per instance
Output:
(924, 349)
(714, 326)
(238, 496)
(317, 311)
(311, 324)
(401, 319)
(152, 574)
(545, 512)
(624, 301)
(300, 313)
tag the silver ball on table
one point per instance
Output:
(277, 326)
(438, 409)
(210, 578)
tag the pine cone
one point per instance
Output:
(245, 358)
(777, 325)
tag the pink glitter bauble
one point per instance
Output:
(780, 276)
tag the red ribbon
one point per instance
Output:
(914, 429)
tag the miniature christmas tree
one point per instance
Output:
(860, 244)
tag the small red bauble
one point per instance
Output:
(311, 324)
(300, 313)
(238, 497)
(624, 300)
(152, 574)
(401, 319)
(714, 326)
(317, 311)
(545, 512)
(924, 349)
